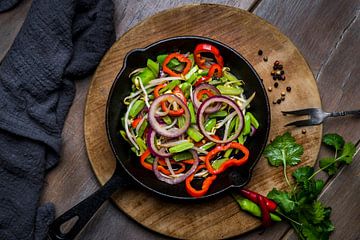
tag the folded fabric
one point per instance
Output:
(60, 41)
(8, 4)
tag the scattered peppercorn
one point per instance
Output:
(265, 58)
(276, 62)
(282, 98)
(274, 77)
(283, 77)
(260, 52)
(283, 94)
(288, 89)
(278, 101)
(279, 77)
(280, 67)
(303, 131)
(275, 67)
(278, 72)
(272, 73)
(282, 72)
(270, 89)
(274, 102)
(276, 84)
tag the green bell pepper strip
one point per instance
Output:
(203, 72)
(142, 128)
(146, 76)
(172, 64)
(218, 114)
(181, 121)
(229, 90)
(170, 86)
(253, 120)
(191, 57)
(136, 108)
(181, 147)
(185, 88)
(150, 160)
(252, 208)
(247, 126)
(208, 145)
(167, 120)
(141, 143)
(182, 156)
(228, 153)
(232, 125)
(154, 66)
(192, 113)
(124, 136)
(191, 72)
(229, 76)
(210, 124)
(194, 134)
(218, 162)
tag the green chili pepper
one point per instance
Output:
(253, 120)
(218, 114)
(229, 90)
(194, 134)
(210, 124)
(192, 113)
(252, 208)
(167, 120)
(142, 128)
(247, 126)
(218, 162)
(154, 66)
(170, 86)
(181, 147)
(146, 76)
(208, 145)
(136, 108)
(182, 156)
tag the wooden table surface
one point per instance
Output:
(328, 35)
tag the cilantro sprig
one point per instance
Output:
(307, 215)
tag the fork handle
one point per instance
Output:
(344, 113)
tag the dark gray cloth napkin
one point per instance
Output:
(60, 41)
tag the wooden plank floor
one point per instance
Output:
(328, 35)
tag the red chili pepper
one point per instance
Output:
(207, 48)
(135, 122)
(253, 196)
(205, 185)
(178, 93)
(231, 161)
(266, 219)
(180, 58)
(214, 69)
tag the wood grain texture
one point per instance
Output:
(219, 218)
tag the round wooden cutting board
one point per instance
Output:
(246, 33)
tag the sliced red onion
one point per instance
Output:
(253, 131)
(160, 129)
(150, 140)
(220, 100)
(177, 178)
(197, 102)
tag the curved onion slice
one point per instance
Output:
(220, 100)
(160, 129)
(150, 140)
(176, 179)
(197, 102)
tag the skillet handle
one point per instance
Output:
(85, 209)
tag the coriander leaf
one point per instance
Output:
(319, 212)
(282, 199)
(283, 149)
(329, 165)
(334, 140)
(347, 153)
(302, 174)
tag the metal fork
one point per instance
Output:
(317, 116)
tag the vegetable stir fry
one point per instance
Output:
(187, 118)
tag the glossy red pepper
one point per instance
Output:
(231, 161)
(181, 58)
(253, 196)
(266, 219)
(214, 69)
(135, 122)
(207, 48)
(177, 91)
(205, 185)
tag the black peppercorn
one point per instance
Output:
(272, 73)
(275, 67)
(274, 77)
(278, 101)
(276, 62)
(282, 72)
(288, 89)
(260, 52)
(276, 84)
(283, 77)
(265, 58)
(280, 67)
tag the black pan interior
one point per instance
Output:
(122, 86)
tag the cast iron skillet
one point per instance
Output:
(128, 164)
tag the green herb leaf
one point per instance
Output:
(282, 199)
(347, 153)
(302, 174)
(329, 165)
(334, 140)
(284, 149)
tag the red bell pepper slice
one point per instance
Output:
(214, 69)
(177, 91)
(203, 92)
(207, 48)
(205, 185)
(231, 161)
(135, 122)
(180, 58)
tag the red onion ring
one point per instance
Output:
(219, 99)
(173, 132)
(179, 179)
(150, 140)
(197, 102)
